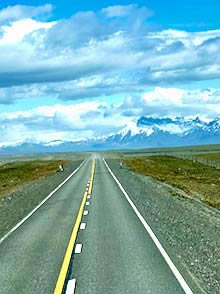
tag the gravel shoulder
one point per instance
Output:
(15, 206)
(188, 229)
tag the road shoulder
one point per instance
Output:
(21, 202)
(187, 229)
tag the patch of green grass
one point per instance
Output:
(15, 174)
(192, 177)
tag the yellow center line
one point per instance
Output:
(64, 269)
(92, 176)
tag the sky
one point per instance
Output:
(75, 70)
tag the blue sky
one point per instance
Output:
(72, 70)
(189, 13)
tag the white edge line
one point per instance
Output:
(171, 265)
(40, 204)
(71, 285)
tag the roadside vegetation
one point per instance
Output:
(15, 174)
(196, 179)
(215, 156)
(182, 150)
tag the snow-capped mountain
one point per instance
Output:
(146, 132)
(165, 132)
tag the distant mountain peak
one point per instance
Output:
(133, 129)
(146, 132)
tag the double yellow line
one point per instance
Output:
(65, 266)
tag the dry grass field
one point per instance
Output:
(194, 178)
(18, 173)
(215, 156)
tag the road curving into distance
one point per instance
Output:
(113, 252)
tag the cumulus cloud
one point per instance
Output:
(15, 32)
(122, 11)
(66, 91)
(91, 54)
(94, 119)
(173, 102)
(18, 12)
(72, 122)
(118, 10)
(103, 53)
(11, 94)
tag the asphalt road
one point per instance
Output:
(31, 257)
(118, 255)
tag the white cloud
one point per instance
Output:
(188, 38)
(92, 55)
(72, 122)
(95, 54)
(18, 12)
(173, 102)
(16, 31)
(164, 96)
(94, 119)
(118, 62)
(118, 10)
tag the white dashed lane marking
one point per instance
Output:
(70, 289)
(71, 285)
(82, 226)
(78, 248)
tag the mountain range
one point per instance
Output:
(146, 132)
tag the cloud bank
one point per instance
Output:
(18, 12)
(92, 54)
(94, 119)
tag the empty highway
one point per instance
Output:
(115, 251)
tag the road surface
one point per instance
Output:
(118, 255)
(31, 257)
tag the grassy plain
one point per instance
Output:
(213, 156)
(183, 149)
(196, 179)
(42, 156)
(18, 173)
